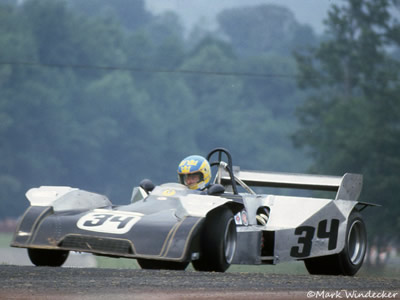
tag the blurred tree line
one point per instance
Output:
(100, 94)
(89, 98)
(351, 120)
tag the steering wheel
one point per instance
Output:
(228, 167)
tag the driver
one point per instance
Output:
(195, 172)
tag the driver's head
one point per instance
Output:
(194, 172)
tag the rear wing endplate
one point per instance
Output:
(347, 187)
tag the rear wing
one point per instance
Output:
(347, 187)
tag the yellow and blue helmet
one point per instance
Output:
(194, 172)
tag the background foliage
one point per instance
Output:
(351, 121)
(99, 95)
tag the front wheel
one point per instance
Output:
(218, 242)
(350, 260)
(46, 257)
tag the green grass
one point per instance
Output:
(389, 270)
(295, 268)
(283, 268)
(116, 263)
(5, 239)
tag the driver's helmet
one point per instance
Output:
(194, 172)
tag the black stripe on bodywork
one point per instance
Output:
(151, 233)
(182, 237)
(29, 223)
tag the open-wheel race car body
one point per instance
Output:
(170, 226)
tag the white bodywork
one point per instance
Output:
(302, 226)
(63, 198)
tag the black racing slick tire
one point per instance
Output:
(152, 264)
(46, 257)
(218, 242)
(350, 259)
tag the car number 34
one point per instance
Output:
(307, 233)
(115, 222)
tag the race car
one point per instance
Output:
(169, 226)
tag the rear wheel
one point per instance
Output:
(218, 242)
(152, 264)
(350, 260)
(45, 257)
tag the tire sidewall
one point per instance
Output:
(213, 241)
(347, 266)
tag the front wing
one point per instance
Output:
(108, 232)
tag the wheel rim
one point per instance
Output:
(230, 241)
(356, 242)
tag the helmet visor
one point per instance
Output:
(191, 179)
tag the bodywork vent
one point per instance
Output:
(97, 244)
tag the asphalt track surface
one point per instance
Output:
(29, 282)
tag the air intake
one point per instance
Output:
(97, 244)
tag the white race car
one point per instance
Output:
(170, 226)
